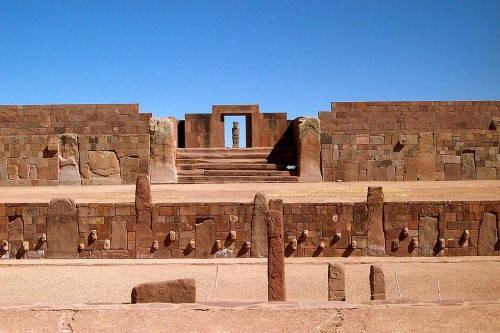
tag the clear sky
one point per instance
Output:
(177, 57)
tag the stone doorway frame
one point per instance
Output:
(251, 113)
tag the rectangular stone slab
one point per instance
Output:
(62, 229)
(205, 239)
(427, 236)
(487, 235)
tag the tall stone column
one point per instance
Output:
(259, 226)
(376, 236)
(236, 135)
(144, 212)
(276, 257)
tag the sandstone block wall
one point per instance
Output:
(205, 230)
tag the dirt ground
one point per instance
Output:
(93, 295)
(290, 192)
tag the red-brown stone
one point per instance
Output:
(143, 210)
(276, 257)
(173, 291)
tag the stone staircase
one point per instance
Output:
(235, 165)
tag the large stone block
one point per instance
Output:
(336, 282)
(276, 257)
(487, 235)
(427, 236)
(118, 233)
(468, 166)
(173, 291)
(259, 226)
(62, 229)
(426, 168)
(104, 168)
(163, 147)
(308, 143)
(205, 239)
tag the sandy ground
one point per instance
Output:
(47, 296)
(289, 192)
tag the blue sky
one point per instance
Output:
(177, 57)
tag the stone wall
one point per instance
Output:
(402, 156)
(205, 230)
(31, 160)
(408, 116)
(73, 118)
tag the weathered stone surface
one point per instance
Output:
(426, 168)
(129, 167)
(376, 236)
(69, 160)
(427, 236)
(487, 235)
(173, 291)
(118, 233)
(377, 283)
(259, 226)
(276, 257)
(468, 166)
(144, 211)
(104, 168)
(336, 282)
(236, 134)
(62, 229)
(308, 143)
(163, 140)
(205, 239)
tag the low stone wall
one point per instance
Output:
(207, 230)
(402, 156)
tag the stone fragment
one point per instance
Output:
(427, 236)
(259, 226)
(104, 168)
(487, 235)
(163, 146)
(156, 245)
(106, 244)
(276, 257)
(205, 238)
(308, 143)
(143, 211)
(376, 235)
(293, 244)
(62, 229)
(130, 169)
(304, 235)
(173, 291)
(336, 282)
(232, 235)
(377, 283)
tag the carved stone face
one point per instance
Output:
(5, 245)
(156, 245)
(305, 234)
(93, 235)
(26, 246)
(107, 244)
(321, 245)
(293, 244)
(171, 236)
(218, 244)
(246, 245)
(406, 232)
(192, 244)
(232, 235)
(81, 247)
(354, 244)
(395, 243)
(466, 235)
(43, 238)
(335, 218)
(414, 241)
(338, 235)
(442, 243)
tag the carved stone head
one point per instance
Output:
(107, 244)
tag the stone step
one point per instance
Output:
(230, 173)
(230, 166)
(235, 179)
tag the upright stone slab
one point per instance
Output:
(118, 233)
(308, 143)
(376, 236)
(377, 283)
(276, 257)
(427, 236)
(143, 211)
(62, 229)
(487, 235)
(162, 132)
(173, 291)
(468, 166)
(336, 282)
(205, 239)
(259, 227)
(69, 160)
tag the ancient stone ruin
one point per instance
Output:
(92, 145)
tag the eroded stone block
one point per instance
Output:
(377, 283)
(487, 235)
(276, 257)
(173, 291)
(62, 229)
(336, 282)
(259, 226)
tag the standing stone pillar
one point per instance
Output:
(69, 160)
(236, 135)
(427, 236)
(259, 226)
(377, 283)
(163, 146)
(376, 236)
(276, 257)
(336, 282)
(144, 212)
(308, 144)
(62, 229)
(487, 235)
